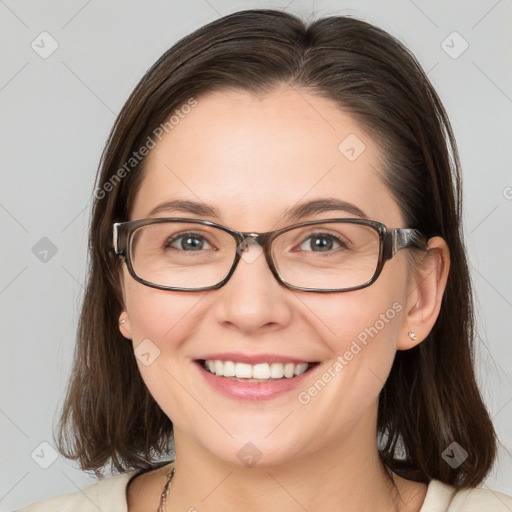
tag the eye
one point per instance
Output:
(189, 242)
(320, 242)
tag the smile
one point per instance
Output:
(260, 372)
(253, 378)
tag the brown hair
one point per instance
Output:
(431, 398)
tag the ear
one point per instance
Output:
(124, 325)
(124, 318)
(425, 293)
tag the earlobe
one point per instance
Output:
(124, 320)
(425, 294)
(124, 325)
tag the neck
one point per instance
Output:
(346, 476)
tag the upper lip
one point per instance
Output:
(251, 358)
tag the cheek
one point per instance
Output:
(375, 312)
(161, 323)
(157, 314)
(360, 330)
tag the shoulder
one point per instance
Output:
(445, 498)
(107, 495)
(469, 500)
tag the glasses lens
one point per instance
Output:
(327, 256)
(182, 254)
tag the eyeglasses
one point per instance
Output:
(334, 255)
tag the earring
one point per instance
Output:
(412, 335)
(121, 322)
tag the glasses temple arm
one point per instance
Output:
(114, 239)
(407, 237)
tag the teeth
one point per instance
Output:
(219, 368)
(276, 370)
(242, 370)
(229, 369)
(260, 371)
(289, 368)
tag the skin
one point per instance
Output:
(252, 157)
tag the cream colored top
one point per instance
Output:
(109, 495)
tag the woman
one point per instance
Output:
(278, 285)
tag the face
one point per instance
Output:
(251, 159)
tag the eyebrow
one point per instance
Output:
(192, 207)
(317, 206)
(295, 213)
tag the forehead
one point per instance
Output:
(252, 157)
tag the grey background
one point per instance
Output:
(56, 115)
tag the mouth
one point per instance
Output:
(254, 377)
(271, 374)
(260, 372)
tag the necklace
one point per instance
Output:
(165, 492)
(170, 476)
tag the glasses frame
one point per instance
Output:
(390, 242)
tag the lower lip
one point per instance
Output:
(252, 390)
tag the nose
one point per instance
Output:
(253, 301)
